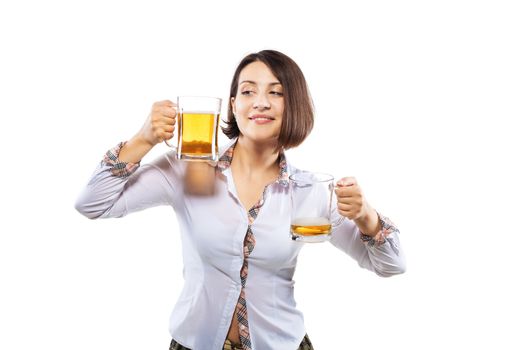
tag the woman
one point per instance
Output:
(238, 257)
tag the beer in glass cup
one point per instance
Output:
(197, 126)
(311, 195)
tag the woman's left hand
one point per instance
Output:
(352, 204)
(350, 200)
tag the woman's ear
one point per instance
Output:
(232, 101)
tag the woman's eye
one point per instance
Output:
(278, 93)
(246, 92)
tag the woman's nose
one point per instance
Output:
(261, 102)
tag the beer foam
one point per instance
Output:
(200, 112)
(311, 221)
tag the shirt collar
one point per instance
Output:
(226, 158)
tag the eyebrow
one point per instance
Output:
(253, 82)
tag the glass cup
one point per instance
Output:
(311, 206)
(197, 128)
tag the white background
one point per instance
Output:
(420, 100)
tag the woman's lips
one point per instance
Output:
(261, 119)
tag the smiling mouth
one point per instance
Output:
(261, 117)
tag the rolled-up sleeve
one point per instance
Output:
(381, 253)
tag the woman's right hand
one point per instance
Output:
(160, 124)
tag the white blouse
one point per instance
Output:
(213, 229)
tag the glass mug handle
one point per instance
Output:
(341, 218)
(177, 121)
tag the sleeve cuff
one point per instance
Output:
(387, 227)
(118, 167)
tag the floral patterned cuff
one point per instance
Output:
(118, 167)
(387, 227)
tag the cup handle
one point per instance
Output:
(340, 220)
(176, 122)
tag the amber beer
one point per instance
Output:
(311, 227)
(198, 134)
(197, 128)
(311, 202)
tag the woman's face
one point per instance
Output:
(259, 104)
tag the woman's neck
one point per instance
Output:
(250, 157)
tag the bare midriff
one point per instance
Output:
(233, 333)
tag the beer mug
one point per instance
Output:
(197, 128)
(311, 195)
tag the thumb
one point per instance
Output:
(347, 181)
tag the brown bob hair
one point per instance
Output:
(298, 114)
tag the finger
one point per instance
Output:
(346, 213)
(166, 121)
(166, 136)
(163, 107)
(162, 103)
(168, 128)
(346, 201)
(167, 111)
(163, 124)
(343, 192)
(347, 181)
(159, 119)
(355, 202)
(344, 206)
